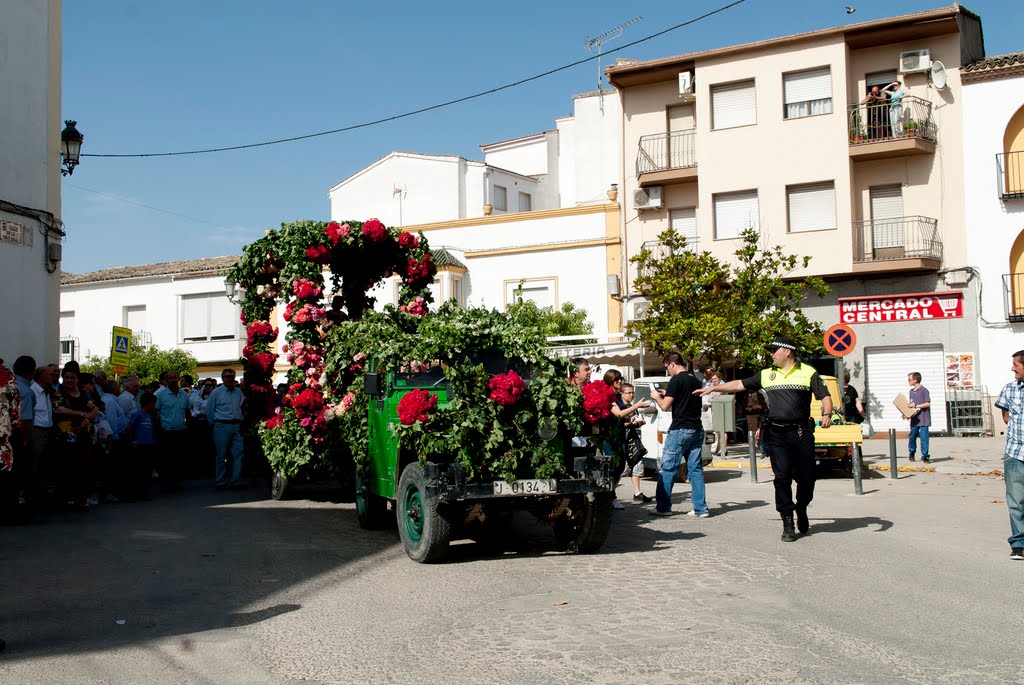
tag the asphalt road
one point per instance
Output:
(910, 583)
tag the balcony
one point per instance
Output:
(667, 158)
(886, 131)
(908, 243)
(1013, 297)
(1010, 168)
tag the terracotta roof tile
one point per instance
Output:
(192, 267)
(995, 62)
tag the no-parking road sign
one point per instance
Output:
(840, 340)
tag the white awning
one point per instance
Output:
(613, 354)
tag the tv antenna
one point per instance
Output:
(595, 42)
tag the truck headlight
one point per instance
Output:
(547, 428)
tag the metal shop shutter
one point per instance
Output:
(886, 374)
(733, 105)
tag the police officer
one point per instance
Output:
(788, 429)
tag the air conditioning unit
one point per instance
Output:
(637, 310)
(914, 61)
(686, 83)
(647, 198)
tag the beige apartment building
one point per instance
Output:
(777, 135)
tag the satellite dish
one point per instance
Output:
(938, 75)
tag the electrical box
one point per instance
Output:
(723, 413)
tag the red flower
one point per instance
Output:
(374, 231)
(260, 331)
(274, 421)
(507, 388)
(308, 404)
(416, 406)
(598, 397)
(319, 254)
(305, 289)
(336, 233)
(262, 362)
(408, 241)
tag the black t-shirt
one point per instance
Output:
(685, 405)
(850, 408)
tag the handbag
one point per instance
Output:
(635, 450)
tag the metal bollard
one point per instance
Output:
(752, 453)
(858, 487)
(894, 471)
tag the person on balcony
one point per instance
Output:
(895, 92)
(875, 102)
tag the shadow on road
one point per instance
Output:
(195, 561)
(846, 525)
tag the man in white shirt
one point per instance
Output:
(41, 440)
(128, 399)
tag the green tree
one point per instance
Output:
(567, 320)
(147, 362)
(706, 308)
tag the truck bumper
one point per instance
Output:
(448, 483)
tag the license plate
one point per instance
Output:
(502, 488)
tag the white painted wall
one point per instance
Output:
(30, 82)
(527, 155)
(97, 307)
(595, 150)
(991, 224)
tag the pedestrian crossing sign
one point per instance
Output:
(120, 346)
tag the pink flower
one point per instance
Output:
(336, 233)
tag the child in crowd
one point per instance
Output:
(142, 433)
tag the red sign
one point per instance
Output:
(840, 340)
(895, 308)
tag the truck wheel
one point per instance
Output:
(588, 529)
(278, 486)
(424, 531)
(371, 509)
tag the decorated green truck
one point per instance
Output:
(447, 421)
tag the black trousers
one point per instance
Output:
(791, 450)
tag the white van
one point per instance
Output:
(657, 423)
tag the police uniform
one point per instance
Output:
(788, 430)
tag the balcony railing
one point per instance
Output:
(663, 151)
(873, 123)
(907, 237)
(1010, 166)
(1013, 296)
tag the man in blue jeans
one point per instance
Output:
(685, 438)
(921, 421)
(1011, 402)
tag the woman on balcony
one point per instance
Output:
(895, 91)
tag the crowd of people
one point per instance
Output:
(72, 440)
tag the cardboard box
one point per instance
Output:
(903, 404)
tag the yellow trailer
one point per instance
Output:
(837, 441)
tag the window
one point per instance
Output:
(135, 317)
(684, 222)
(209, 316)
(888, 235)
(501, 198)
(525, 202)
(733, 104)
(540, 291)
(812, 207)
(808, 93)
(457, 294)
(735, 212)
(879, 78)
(67, 324)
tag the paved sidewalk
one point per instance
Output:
(959, 456)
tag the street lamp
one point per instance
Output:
(231, 290)
(70, 147)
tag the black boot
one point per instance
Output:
(802, 522)
(788, 532)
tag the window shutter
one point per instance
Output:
(135, 318)
(803, 86)
(195, 317)
(684, 221)
(733, 105)
(735, 212)
(880, 78)
(886, 202)
(812, 207)
(224, 321)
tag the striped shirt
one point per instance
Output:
(1011, 400)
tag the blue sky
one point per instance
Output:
(154, 77)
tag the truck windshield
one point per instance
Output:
(420, 376)
(495, 362)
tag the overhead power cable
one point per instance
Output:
(423, 110)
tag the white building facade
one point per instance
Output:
(994, 206)
(30, 212)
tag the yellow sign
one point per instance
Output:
(120, 349)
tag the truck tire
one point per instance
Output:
(425, 532)
(278, 486)
(371, 509)
(587, 531)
